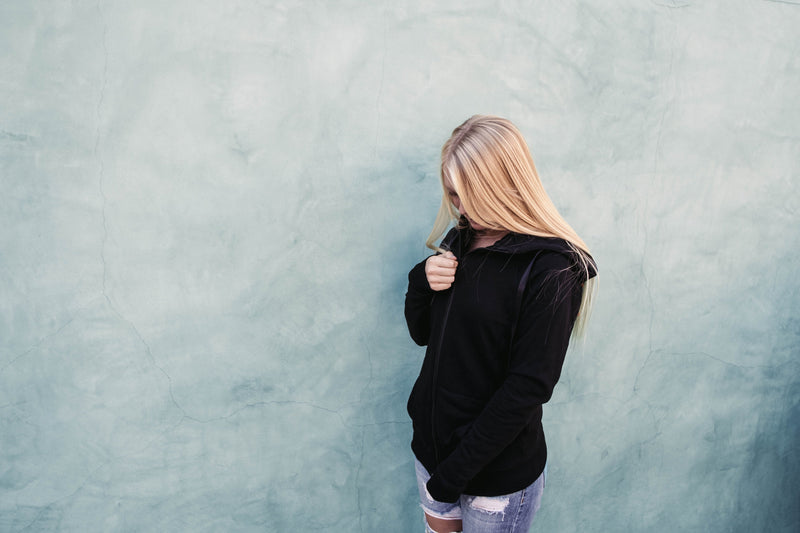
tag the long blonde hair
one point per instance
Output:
(487, 162)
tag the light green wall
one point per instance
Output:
(209, 209)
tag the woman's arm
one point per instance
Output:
(418, 305)
(551, 304)
(436, 273)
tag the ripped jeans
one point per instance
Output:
(511, 513)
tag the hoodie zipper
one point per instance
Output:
(436, 370)
(436, 374)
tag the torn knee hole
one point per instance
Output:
(431, 530)
(491, 505)
(442, 525)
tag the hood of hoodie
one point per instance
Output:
(457, 240)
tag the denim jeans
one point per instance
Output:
(511, 513)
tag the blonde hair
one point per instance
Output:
(487, 162)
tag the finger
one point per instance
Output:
(444, 261)
(434, 268)
(449, 258)
(442, 271)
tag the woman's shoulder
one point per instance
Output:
(564, 265)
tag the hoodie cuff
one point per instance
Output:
(417, 279)
(441, 491)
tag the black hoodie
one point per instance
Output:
(496, 342)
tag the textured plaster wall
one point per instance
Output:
(208, 211)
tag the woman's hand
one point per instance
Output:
(441, 271)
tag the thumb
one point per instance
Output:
(449, 255)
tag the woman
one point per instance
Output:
(496, 308)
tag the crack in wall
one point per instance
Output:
(659, 136)
(15, 137)
(264, 403)
(97, 156)
(380, 86)
(91, 475)
(673, 4)
(37, 344)
(358, 475)
(85, 481)
(101, 184)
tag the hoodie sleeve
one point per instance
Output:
(550, 307)
(418, 304)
